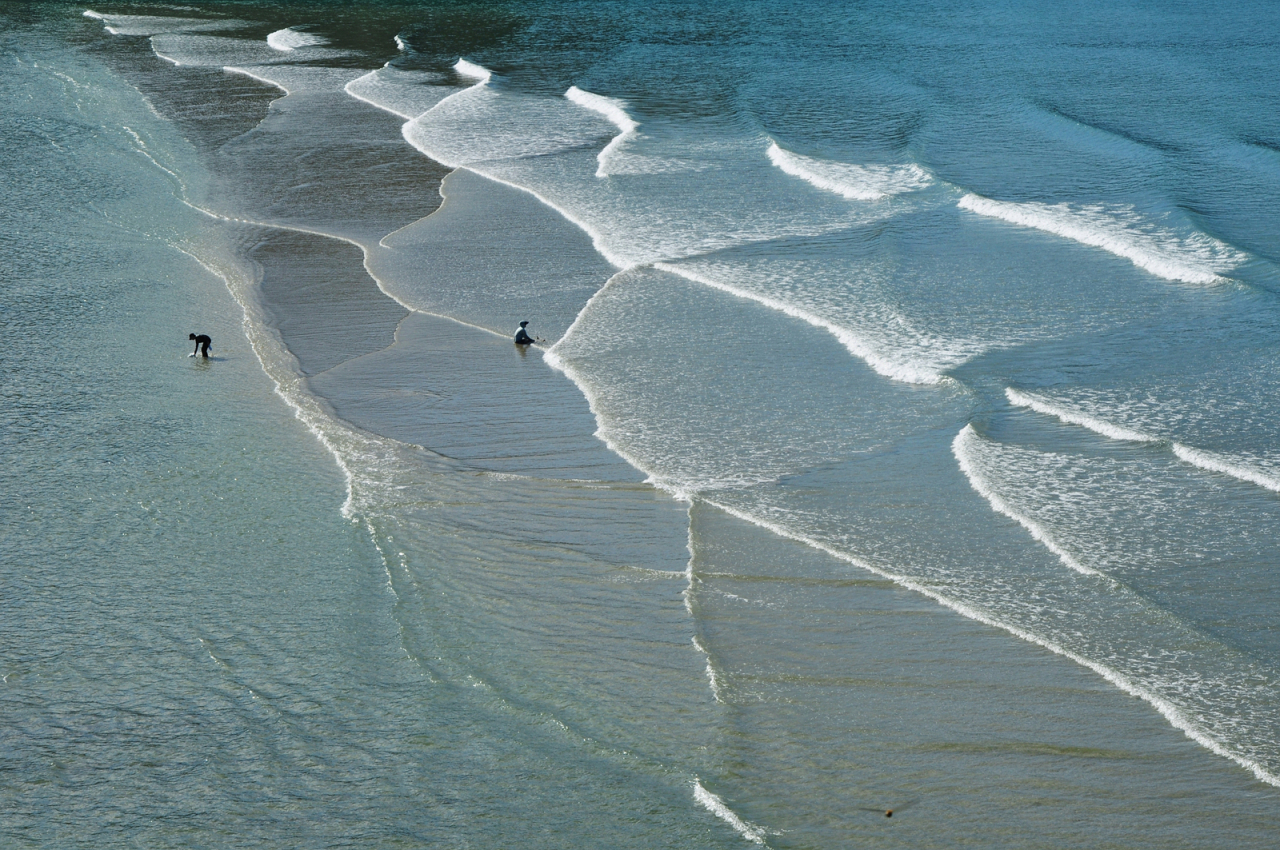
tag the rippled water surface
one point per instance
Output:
(901, 434)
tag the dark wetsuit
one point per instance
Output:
(523, 338)
(202, 343)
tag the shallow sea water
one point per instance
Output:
(901, 439)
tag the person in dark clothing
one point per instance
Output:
(522, 336)
(203, 341)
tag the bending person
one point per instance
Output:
(203, 341)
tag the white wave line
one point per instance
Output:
(1171, 713)
(1200, 458)
(1148, 251)
(472, 70)
(851, 182)
(347, 88)
(1098, 426)
(713, 678)
(959, 448)
(1214, 462)
(232, 69)
(157, 52)
(615, 112)
(289, 39)
(712, 803)
(856, 346)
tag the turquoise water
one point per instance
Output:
(902, 438)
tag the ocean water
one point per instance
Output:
(902, 437)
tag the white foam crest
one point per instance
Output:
(401, 44)
(1171, 713)
(558, 363)
(257, 75)
(1206, 460)
(1215, 462)
(712, 803)
(411, 134)
(157, 24)
(1194, 258)
(405, 94)
(963, 447)
(142, 148)
(352, 449)
(1075, 417)
(856, 345)
(483, 128)
(852, 182)
(296, 79)
(291, 38)
(472, 70)
(208, 51)
(615, 111)
(713, 678)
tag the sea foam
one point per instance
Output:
(472, 70)
(855, 344)
(1188, 722)
(1234, 466)
(291, 39)
(712, 803)
(615, 111)
(1075, 417)
(155, 24)
(967, 450)
(1120, 230)
(1227, 465)
(854, 182)
(406, 94)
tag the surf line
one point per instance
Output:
(330, 431)
(851, 182)
(960, 447)
(310, 413)
(692, 581)
(352, 90)
(1149, 250)
(615, 111)
(1171, 713)
(306, 408)
(714, 804)
(856, 346)
(1199, 458)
